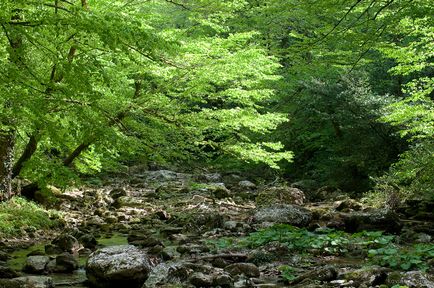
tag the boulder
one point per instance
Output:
(36, 264)
(67, 243)
(118, 266)
(280, 194)
(284, 214)
(64, 263)
(378, 219)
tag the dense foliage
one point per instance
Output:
(348, 87)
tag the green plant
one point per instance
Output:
(415, 256)
(19, 215)
(287, 272)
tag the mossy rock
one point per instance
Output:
(281, 195)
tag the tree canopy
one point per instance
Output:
(328, 86)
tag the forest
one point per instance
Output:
(231, 143)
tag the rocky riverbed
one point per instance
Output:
(165, 229)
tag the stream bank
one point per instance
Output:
(213, 231)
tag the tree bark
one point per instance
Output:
(7, 141)
(27, 154)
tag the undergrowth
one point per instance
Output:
(376, 247)
(18, 215)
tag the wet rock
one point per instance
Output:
(247, 269)
(36, 264)
(27, 282)
(118, 266)
(199, 279)
(411, 279)
(65, 263)
(6, 272)
(287, 214)
(379, 219)
(67, 243)
(280, 194)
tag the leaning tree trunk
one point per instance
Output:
(6, 164)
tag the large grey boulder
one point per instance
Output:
(118, 266)
(36, 264)
(284, 214)
(379, 219)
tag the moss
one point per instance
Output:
(116, 239)
(18, 257)
(18, 215)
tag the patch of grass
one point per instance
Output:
(18, 215)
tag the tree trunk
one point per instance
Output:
(6, 163)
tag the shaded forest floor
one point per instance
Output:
(210, 230)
